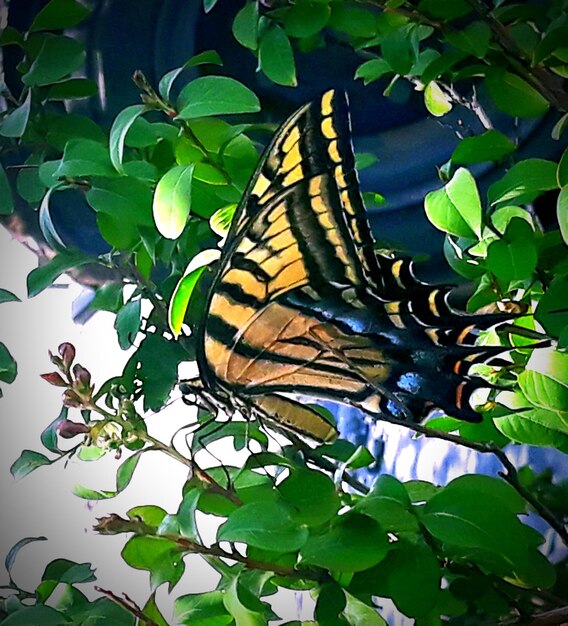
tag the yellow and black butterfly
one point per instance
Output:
(301, 302)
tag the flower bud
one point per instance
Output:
(82, 376)
(71, 399)
(67, 352)
(53, 378)
(68, 429)
(55, 359)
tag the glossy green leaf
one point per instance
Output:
(127, 323)
(202, 609)
(502, 217)
(27, 462)
(150, 514)
(276, 58)
(173, 200)
(13, 552)
(536, 427)
(544, 382)
(104, 611)
(183, 290)
(265, 525)
(436, 100)
(8, 296)
(216, 95)
(58, 14)
(28, 182)
(161, 557)
(473, 39)
(45, 275)
(525, 179)
(85, 157)
(514, 256)
(372, 70)
(359, 613)
(245, 26)
(559, 128)
(220, 221)
(513, 95)
(58, 57)
(14, 124)
(352, 20)
(118, 131)
(152, 612)
(65, 571)
(72, 89)
(446, 215)
(562, 213)
(46, 224)
(38, 614)
(123, 477)
(412, 575)
(353, 544)
(552, 311)
(11, 36)
(203, 58)
(441, 65)
(491, 145)
(73, 126)
(6, 198)
(398, 50)
(49, 433)
(246, 609)
(306, 18)
(311, 494)
(388, 503)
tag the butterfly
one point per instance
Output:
(302, 303)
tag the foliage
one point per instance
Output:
(164, 183)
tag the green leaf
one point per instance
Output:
(276, 58)
(6, 198)
(11, 36)
(536, 427)
(72, 126)
(123, 477)
(103, 612)
(562, 213)
(372, 70)
(65, 571)
(15, 123)
(220, 221)
(354, 21)
(203, 58)
(447, 9)
(49, 434)
(245, 26)
(45, 275)
(473, 39)
(172, 201)
(59, 14)
(513, 95)
(559, 128)
(359, 613)
(183, 290)
(152, 612)
(161, 557)
(58, 57)
(489, 146)
(388, 503)
(27, 462)
(150, 514)
(436, 100)
(411, 575)
(551, 311)
(490, 534)
(398, 50)
(353, 544)
(108, 298)
(514, 256)
(216, 95)
(445, 215)
(265, 525)
(39, 614)
(85, 157)
(441, 65)
(544, 382)
(28, 183)
(72, 88)
(306, 18)
(13, 552)
(311, 494)
(118, 131)
(463, 194)
(127, 323)
(246, 609)
(8, 366)
(8, 296)
(502, 217)
(524, 180)
(202, 609)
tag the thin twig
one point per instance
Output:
(126, 603)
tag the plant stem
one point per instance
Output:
(126, 603)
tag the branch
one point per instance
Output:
(127, 603)
(556, 617)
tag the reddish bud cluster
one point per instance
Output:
(68, 429)
(79, 390)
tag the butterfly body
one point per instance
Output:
(302, 303)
